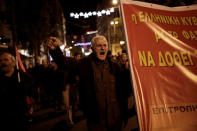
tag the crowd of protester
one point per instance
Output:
(45, 85)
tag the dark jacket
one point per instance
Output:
(87, 95)
(14, 108)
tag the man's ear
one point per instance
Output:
(13, 63)
(92, 48)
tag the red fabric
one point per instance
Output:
(18, 59)
(164, 66)
(29, 100)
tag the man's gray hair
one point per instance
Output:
(96, 38)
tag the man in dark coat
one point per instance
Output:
(15, 89)
(101, 94)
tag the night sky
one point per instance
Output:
(79, 26)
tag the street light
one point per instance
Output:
(112, 22)
(115, 2)
(122, 42)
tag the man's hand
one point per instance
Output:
(53, 43)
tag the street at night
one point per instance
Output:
(98, 65)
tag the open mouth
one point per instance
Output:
(3, 66)
(102, 53)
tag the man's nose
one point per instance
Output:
(102, 47)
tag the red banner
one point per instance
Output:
(162, 46)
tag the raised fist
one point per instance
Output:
(53, 43)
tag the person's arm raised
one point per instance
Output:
(53, 44)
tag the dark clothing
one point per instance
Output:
(14, 108)
(37, 75)
(41, 76)
(55, 86)
(108, 106)
(101, 93)
(127, 83)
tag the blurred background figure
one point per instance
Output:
(36, 75)
(124, 65)
(123, 61)
(43, 85)
(77, 56)
(55, 85)
(15, 89)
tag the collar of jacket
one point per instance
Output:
(98, 61)
(113, 66)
